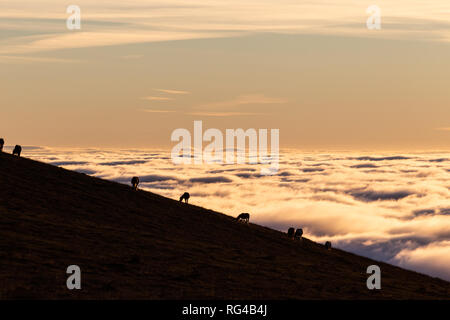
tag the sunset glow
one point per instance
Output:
(363, 114)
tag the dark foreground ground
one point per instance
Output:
(140, 245)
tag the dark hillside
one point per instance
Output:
(141, 245)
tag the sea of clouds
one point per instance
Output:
(389, 207)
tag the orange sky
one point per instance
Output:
(140, 69)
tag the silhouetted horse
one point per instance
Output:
(2, 143)
(17, 150)
(135, 183)
(185, 197)
(298, 233)
(245, 217)
(291, 232)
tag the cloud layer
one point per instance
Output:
(396, 211)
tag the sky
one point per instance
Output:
(391, 207)
(137, 70)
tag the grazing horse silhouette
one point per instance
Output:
(135, 183)
(245, 217)
(185, 197)
(291, 232)
(2, 143)
(17, 150)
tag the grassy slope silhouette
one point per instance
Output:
(142, 245)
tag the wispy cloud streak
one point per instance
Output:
(110, 22)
